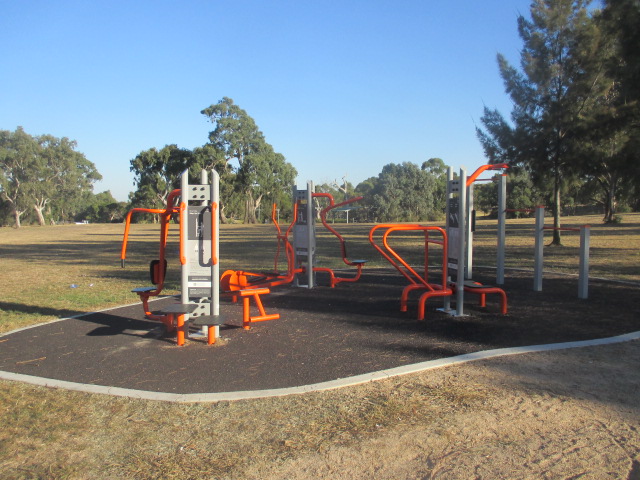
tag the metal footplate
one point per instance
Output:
(179, 309)
(208, 321)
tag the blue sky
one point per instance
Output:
(341, 88)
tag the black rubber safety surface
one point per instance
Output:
(323, 334)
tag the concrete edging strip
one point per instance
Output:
(329, 385)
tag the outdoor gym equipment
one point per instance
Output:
(583, 275)
(540, 228)
(304, 238)
(343, 243)
(199, 239)
(502, 222)
(459, 225)
(416, 280)
(457, 248)
(250, 285)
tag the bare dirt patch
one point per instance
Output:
(567, 414)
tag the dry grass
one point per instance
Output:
(56, 434)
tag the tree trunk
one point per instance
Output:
(250, 206)
(610, 202)
(16, 217)
(40, 216)
(39, 206)
(249, 210)
(223, 216)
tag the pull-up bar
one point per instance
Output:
(583, 275)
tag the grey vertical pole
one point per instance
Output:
(310, 235)
(502, 216)
(539, 246)
(469, 247)
(204, 180)
(184, 234)
(461, 244)
(447, 300)
(583, 280)
(215, 239)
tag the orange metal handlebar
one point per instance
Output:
(496, 166)
(274, 218)
(127, 225)
(398, 262)
(323, 218)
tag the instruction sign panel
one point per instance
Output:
(199, 245)
(453, 231)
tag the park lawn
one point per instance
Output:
(62, 434)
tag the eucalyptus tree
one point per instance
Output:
(18, 161)
(43, 172)
(207, 157)
(403, 192)
(156, 174)
(64, 176)
(551, 93)
(260, 172)
(438, 170)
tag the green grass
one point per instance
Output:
(57, 434)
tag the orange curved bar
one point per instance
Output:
(383, 253)
(274, 217)
(323, 218)
(417, 281)
(496, 166)
(293, 222)
(423, 229)
(125, 240)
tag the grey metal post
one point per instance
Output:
(447, 300)
(215, 263)
(204, 180)
(583, 280)
(461, 243)
(539, 252)
(184, 234)
(502, 216)
(469, 244)
(310, 235)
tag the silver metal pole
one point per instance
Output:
(469, 244)
(583, 280)
(204, 180)
(215, 239)
(447, 300)
(502, 216)
(461, 244)
(184, 235)
(310, 235)
(539, 250)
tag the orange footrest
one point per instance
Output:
(247, 318)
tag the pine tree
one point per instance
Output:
(553, 90)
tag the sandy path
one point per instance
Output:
(558, 415)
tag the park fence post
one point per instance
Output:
(539, 246)
(583, 279)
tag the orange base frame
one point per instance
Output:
(247, 318)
